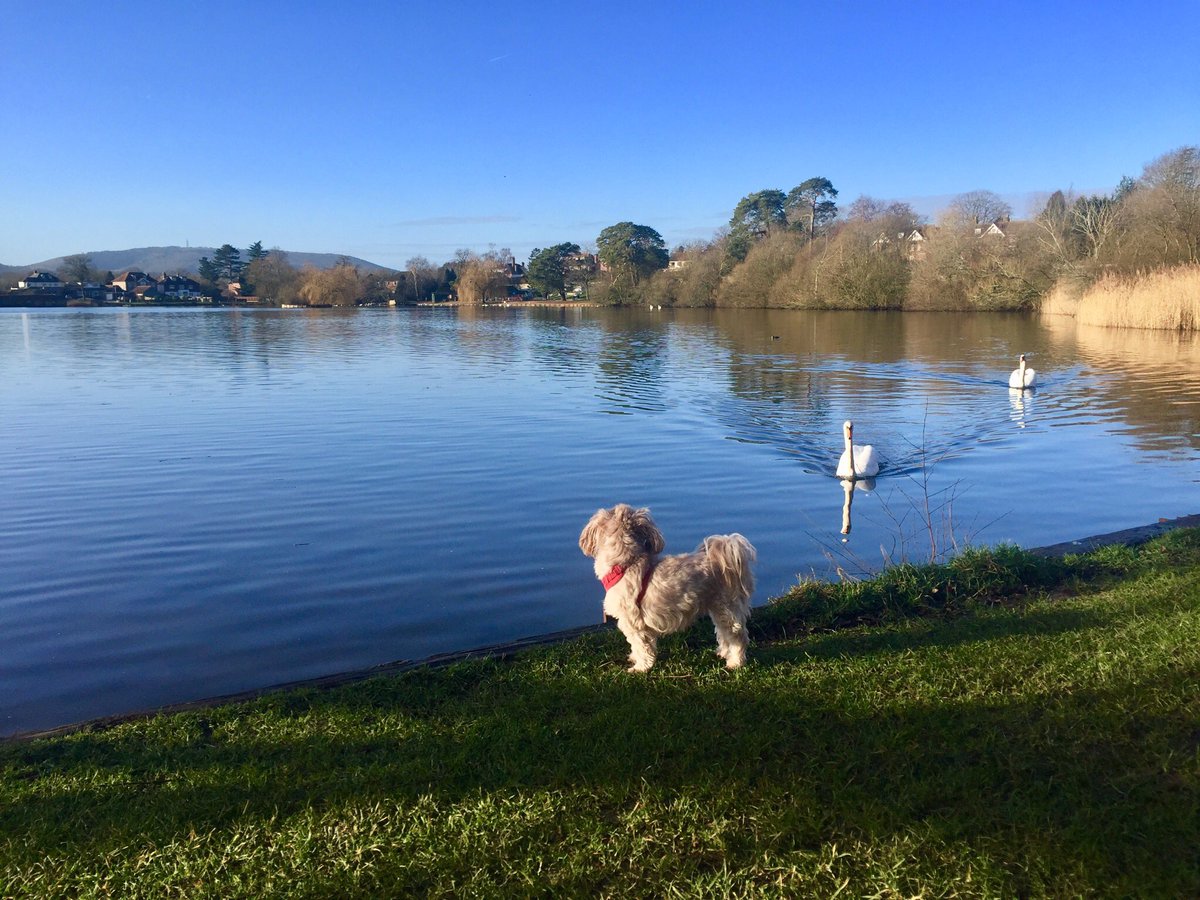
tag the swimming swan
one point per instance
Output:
(1022, 377)
(856, 462)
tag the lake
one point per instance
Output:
(197, 502)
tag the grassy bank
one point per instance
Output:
(1166, 299)
(1003, 725)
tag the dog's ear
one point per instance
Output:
(645, 531)
(591, 531)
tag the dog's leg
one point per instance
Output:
(732, 640)
(643, 648)
(644, 654)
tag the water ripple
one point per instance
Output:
(202, 501)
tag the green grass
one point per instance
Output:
(1005, 725)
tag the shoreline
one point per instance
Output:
(502, 304)
(1129, 536)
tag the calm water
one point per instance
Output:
(199, 502)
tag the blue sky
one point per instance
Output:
(385, 130)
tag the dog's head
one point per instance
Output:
(621, 533)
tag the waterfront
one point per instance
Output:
(204, 501)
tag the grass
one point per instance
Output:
(1166, 299)
(1004, 725)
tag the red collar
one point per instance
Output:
(616, 573)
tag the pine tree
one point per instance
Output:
(228, 260)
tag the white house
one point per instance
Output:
(41, 281)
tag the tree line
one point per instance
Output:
(794, 248)
(798, 249)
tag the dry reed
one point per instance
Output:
(1166, 299)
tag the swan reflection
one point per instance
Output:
(1021, 401)
(865, 485)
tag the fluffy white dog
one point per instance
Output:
(651, 596)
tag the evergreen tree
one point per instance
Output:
(208, 270)
(228, 261)
(754, 218)
(547, 269)
(635, 251)
(811, 205)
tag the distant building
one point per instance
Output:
(998, 228)
(41, 281)
(913, 240)
(579, 268)
(178, 287)
(917, 241)
(129, 281)
(511, 269)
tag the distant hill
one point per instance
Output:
(156, 260)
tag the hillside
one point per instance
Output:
(155, 260)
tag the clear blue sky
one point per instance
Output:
(384, 130)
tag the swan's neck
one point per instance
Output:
(1021, 367)
(850, 451)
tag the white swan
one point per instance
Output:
(1022, 377)
(856, 462)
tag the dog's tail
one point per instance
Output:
(731, 556)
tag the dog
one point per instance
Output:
(651, 596)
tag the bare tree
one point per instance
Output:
(1166, 202)
(873, 210)
(1055, 230)
(78, 268)
(1096, 220)
(340, 285)
(978, 207)
(480, 277)
(421, 277)
(273, 277)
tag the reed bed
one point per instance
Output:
(1167, 299)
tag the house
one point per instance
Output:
(90, 290)
(580, 262)
(998, 228)
(917, 241)
(41, 281)
(579, 268)
(511, 269)
(885, 239)
(914, 241)
(178, 287)
(677, 264)
(128, 281)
